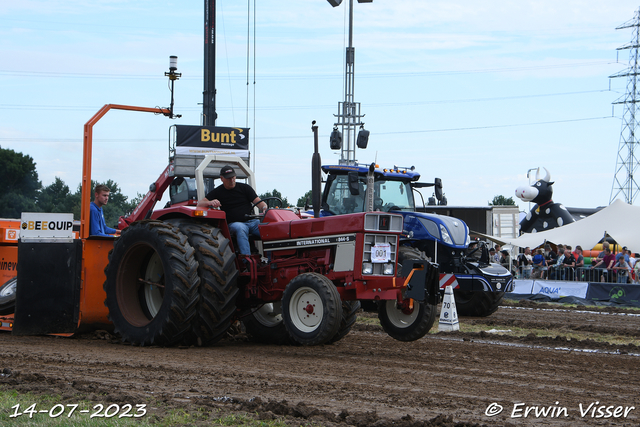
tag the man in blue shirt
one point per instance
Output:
(97, 224)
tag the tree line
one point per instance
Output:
(22, 191)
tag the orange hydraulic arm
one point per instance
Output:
(87, 153)
(150, 199)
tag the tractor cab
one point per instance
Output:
(346, 188)
(393, 191)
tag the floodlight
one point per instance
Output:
(363, 138)
(334, 3)
(335, 139)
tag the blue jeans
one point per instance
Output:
(242, 230)
(622, 278)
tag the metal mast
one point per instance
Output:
(209, 115)
(349, 117)
(624, 182)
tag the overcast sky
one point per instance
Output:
(474, 92)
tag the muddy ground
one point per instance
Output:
(366, 379)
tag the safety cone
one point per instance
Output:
(448, 312)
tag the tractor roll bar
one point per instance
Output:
(87, 153)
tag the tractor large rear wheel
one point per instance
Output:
(152, 284)
(218, 282)
(311, 309)
(477, 303)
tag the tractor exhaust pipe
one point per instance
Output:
(369, 192)
(316, 176)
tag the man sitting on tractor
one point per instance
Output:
(236, 199)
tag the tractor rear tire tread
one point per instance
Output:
(180, 297)
(218, 282)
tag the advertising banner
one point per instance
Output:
(202, 140)
(522, 286)
(558, 289)
(46, 226)
(623, 293)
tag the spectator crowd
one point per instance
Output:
(566, 263)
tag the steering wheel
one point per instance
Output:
(265, 200)
(378, 203)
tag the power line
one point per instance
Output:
(306, 76)
(310, 107)
(497, 126)
(119, 140)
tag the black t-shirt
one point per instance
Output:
(551, 256)
(236, 203)
(568, 260)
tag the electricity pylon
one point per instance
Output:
(624, 181)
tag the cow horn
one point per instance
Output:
(547, 175)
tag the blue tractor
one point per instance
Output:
(479, 285)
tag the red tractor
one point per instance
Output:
(173, 276)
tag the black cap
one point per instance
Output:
(505, 252)
(624, 248)
(227, 172)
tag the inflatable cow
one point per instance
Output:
(545, 215)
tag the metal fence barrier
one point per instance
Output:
(580, 274)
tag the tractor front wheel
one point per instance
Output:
(349, 317)
(406, 322)
(311, 309)
(477, 303)
(152, 284)
(265, 324)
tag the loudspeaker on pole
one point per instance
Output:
(448, 312)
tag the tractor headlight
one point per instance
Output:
(387, 270)
(445, 235)
(367, 268)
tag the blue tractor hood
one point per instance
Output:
(445, 230)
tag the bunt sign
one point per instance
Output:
(202, 140)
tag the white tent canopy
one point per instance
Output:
(618, 220)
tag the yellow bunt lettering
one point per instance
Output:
(205, 135)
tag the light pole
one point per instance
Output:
(349, 116)
(173, 76)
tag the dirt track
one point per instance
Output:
(365, 379)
